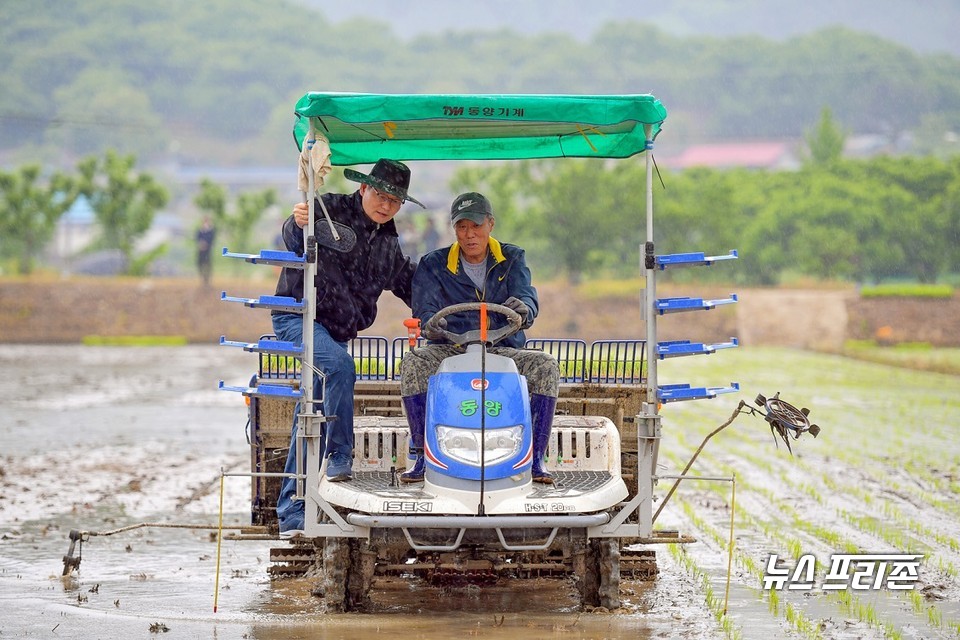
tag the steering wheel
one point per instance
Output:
(473, 336)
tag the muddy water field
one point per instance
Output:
(107, 438)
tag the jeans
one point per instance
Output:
(333, 359)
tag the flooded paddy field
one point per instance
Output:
(101, 438)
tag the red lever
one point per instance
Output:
(413, 330)
(483, 321)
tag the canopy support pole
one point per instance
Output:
(648, 423)
(308, 420)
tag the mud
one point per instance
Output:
(101, 438)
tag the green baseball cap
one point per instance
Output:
(472, 206)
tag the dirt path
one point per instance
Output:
(65, 311)
(802, 319)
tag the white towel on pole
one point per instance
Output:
(319, 152)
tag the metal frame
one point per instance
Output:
(648, 422)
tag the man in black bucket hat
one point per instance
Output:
(350, 279)
(387, 176)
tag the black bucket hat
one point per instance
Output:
(388, 176)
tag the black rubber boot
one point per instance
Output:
(416, 410)
(542, 409)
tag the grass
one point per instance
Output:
(911, 355)
(848, 603)
(365, 366)
(607, 368)
(852, 605)
(908, 290)
(881, 475)
(795, 617)
(713, 601)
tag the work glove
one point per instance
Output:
(520, 308)
(433, 329)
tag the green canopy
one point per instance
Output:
(363, 128)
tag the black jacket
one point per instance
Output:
(349, 284)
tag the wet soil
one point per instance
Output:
(101, 438)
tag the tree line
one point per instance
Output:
(124, 202)
(843, 220)
(863, 221)
(218, 79)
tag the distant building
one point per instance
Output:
(748, 155)
(75, 230)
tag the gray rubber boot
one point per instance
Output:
(542, 409)
(416, 410)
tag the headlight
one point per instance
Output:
(464, 444)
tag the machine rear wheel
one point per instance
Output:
(336, 563)
(600, 585)
(348, 569)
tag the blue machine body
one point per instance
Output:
(453, 429)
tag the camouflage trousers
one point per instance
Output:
(540, 368)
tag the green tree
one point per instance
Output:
(820, 223)
(854, 220)
(951, 212)
(568, 215)
(699, 211)
(29, 212)
(212, 199)
(825, 140)
(920, 228)
(238, 225)
(573, 214)
(766, 236)
(118, 66)
(124, 203)
(250, 210)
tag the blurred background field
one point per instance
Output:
(831, 318)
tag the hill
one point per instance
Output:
(927, 27)
(182, 83)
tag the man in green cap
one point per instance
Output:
(477, 268)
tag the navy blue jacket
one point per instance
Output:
(440, 282)
(349, 284)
